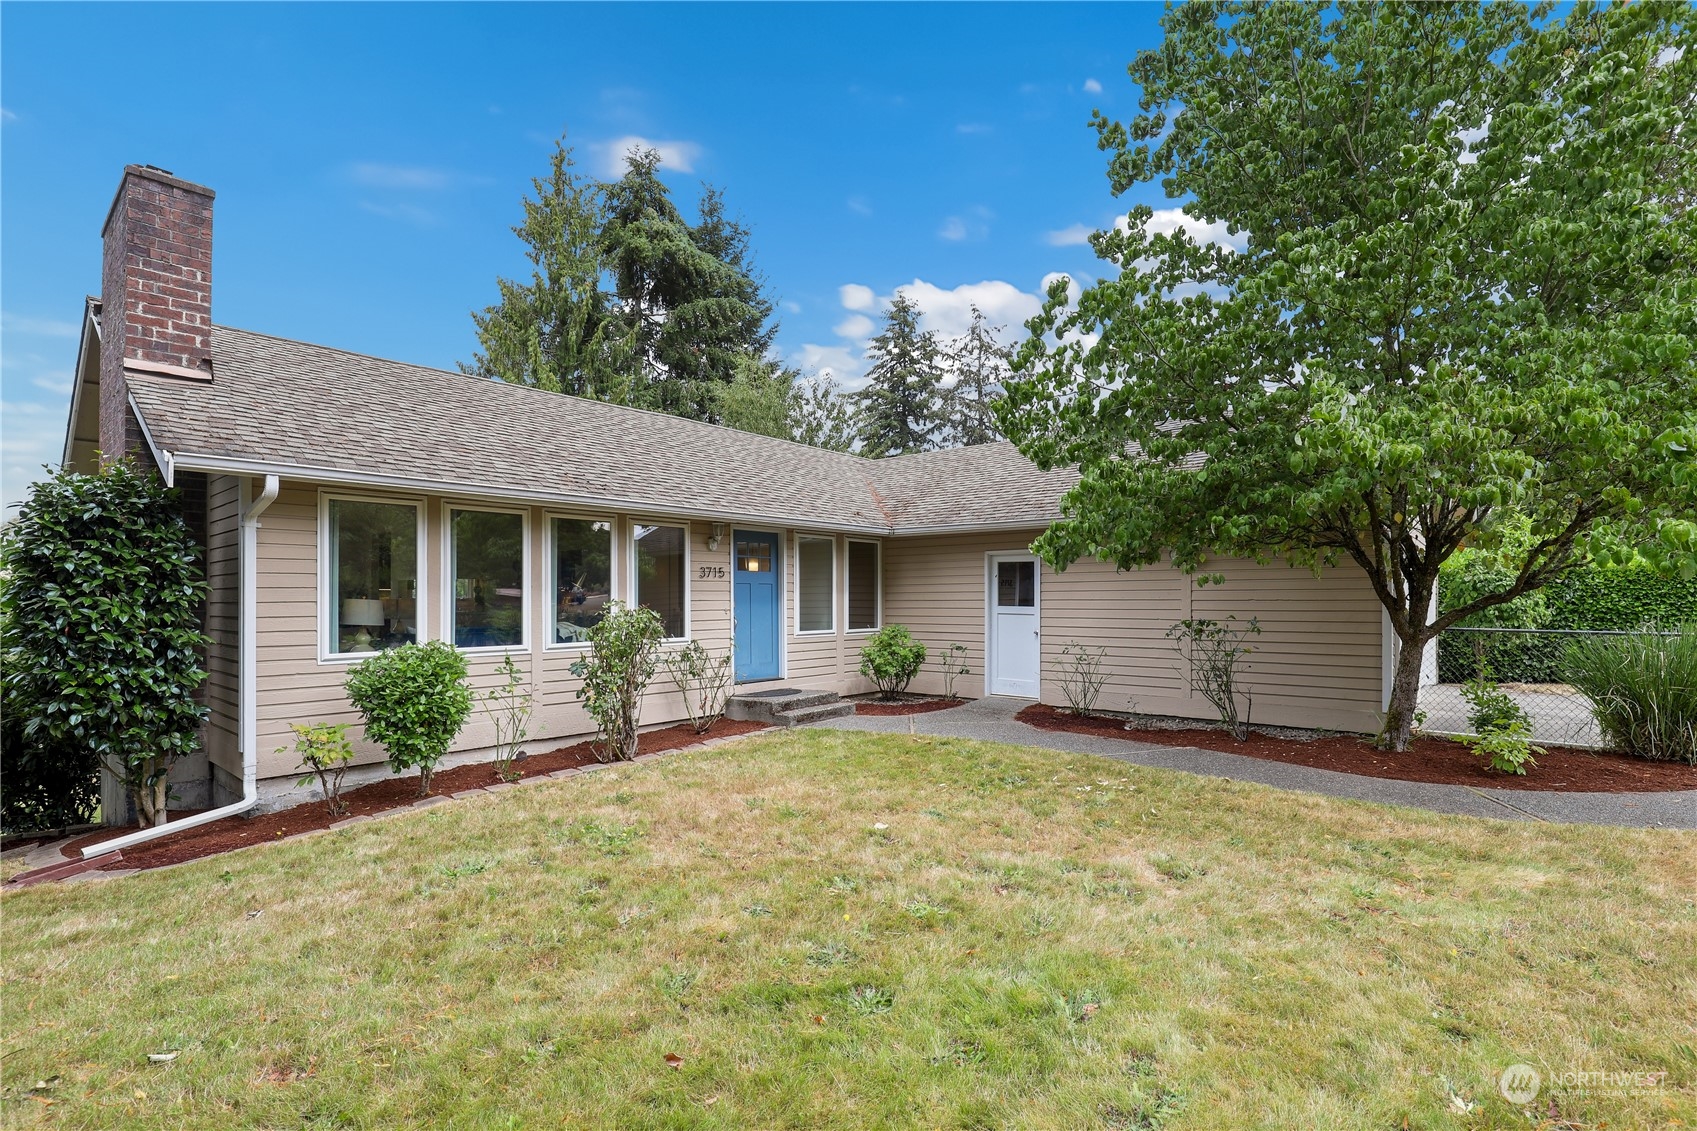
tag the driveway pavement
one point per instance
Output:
(992, 720)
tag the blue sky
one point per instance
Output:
(369, 160)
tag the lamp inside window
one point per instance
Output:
(754, 557)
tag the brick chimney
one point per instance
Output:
(155, 294)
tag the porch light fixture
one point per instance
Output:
(714, 538)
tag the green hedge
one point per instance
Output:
(1601, 597)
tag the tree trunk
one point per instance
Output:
(1405, 697)
(151, 799)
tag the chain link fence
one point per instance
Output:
(1529, 665)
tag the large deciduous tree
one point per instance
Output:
(900, 405)
(1451, 282)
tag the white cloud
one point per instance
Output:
(412, 178)
(860, 205)
(1091, 86)
(43, 327)
(59, 383)
(973, 128)
(679, 156)
(34, 435)
(409, 213)
(973, 224)
(842, 363)
(792, 307)
(856, 297)
(856, 327)
(1075, 236)
(1668, 56)
(948, 311)
(7, 115)
(1166, 221)
(954, 228)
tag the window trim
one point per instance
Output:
(632, 589)
(552, 565)
(832, 604)
(877, 585)
(526, 570)
(327, 586)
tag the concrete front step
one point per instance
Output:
(816, 714)
(770, 706)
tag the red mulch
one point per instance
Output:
(904, 707)
(378, 797)
(1441, 761)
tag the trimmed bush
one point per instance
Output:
(414, 700)
(1643, 691)
(102, 590)
(891, 658)
(623, 653)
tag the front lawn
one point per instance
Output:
(830, 929)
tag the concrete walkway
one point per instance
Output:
(992, 720)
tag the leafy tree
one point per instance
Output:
(556, 332)
(981, 365)
(899, 407)
(1464, 291)
(758, 399)
(624, 651)
(823, 415)
(102, 598)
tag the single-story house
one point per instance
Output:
(349, 504)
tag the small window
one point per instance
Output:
(660, 574)
(488, 579)
(373, 575)
(754, 556)
(583, 576)
(1016, 585)
(816, 584)
(862, 585)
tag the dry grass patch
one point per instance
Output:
(829, 929)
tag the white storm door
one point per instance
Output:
(1015, 639)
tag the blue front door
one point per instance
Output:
(759, 623)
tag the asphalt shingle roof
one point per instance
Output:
(290, 404)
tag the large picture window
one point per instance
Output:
(660, 574)
(862, 585)
(816, 584)
(373, 575)
(487, 576)
(583, 576)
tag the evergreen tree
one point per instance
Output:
(981, 365)
(899, 407)
(758, 399)
(686, 295)
(555, 332)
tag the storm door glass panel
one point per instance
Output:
(373, 575)
(816, 584)
(660, 574)
(583, 576)
(488, 579)
(1016, 585)
(862, 585)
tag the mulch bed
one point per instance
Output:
(1440, 761)
(378, 797)
(904, 707)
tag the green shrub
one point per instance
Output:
(623, 653)
(953, 665)
(1507, 749)
(325, 754)
(102, 593)
(1643, 690)
(414, 700)
(1490, 707)
(891, 658)
(1214, 653)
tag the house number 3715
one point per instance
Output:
(712, 573)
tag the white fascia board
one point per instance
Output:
(90, 337)
(234, 465)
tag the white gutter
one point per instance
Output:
(249, 689)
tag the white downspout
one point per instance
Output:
(249, 696)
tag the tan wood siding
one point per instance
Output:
(222, 733)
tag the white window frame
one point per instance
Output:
(527, 612)
(327, 584)
(634, 591)
(615, 574)
(810, 632)
(878, 588)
